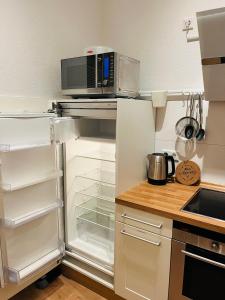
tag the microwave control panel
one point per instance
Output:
(106, 69)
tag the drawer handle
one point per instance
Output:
(204, 259)
(140, 221)
(141, 239)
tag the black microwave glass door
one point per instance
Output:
(78, 73)
(203, 281)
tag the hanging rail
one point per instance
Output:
(172, 95)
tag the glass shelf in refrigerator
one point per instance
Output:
(97, 189)
(95, 204)
(101, 175)
(99, 155)
(97, 218)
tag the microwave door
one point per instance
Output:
(80, 76)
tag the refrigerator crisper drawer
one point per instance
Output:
(30, 246)
(94, 237)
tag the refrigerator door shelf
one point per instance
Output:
(9, 187)
(16, 222)
(22, 131)
(17, 147)
(16, 276)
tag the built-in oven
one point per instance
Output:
(197, 264)
(105, 74)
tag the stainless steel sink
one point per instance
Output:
(208, 203)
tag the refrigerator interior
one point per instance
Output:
(90, 190)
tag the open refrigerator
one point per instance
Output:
(60, 174)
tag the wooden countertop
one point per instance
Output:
(167, 201)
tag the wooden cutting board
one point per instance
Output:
(188, 173)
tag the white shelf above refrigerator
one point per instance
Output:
(16, 222)
(8, 187)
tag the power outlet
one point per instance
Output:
(188, 24)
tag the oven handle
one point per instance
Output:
(201, 258)
(141, 239)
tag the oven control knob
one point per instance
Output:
(215, 246)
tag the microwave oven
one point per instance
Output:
(107, 74)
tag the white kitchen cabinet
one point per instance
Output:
(142, 263)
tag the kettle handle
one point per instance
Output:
(171, 159)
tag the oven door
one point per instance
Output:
(79, 75)
(196, 273)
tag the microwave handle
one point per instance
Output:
(201, 258)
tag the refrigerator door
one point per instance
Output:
(31, 203)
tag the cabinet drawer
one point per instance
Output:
(144, 220)
(142, 264)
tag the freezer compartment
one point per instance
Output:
(23, 203)
(23, 168)
(95, 128)
(24, 132)
(28, 244)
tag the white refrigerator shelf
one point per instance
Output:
(16, 276)
(99, 155)
(101, 175)
(99, 190)
(9, 187)
(96, 218)
(97, 205)
(17, 147)
(12, 223)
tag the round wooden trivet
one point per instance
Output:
(188, 173)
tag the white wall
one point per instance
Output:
(151, 30)
(35, 35)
